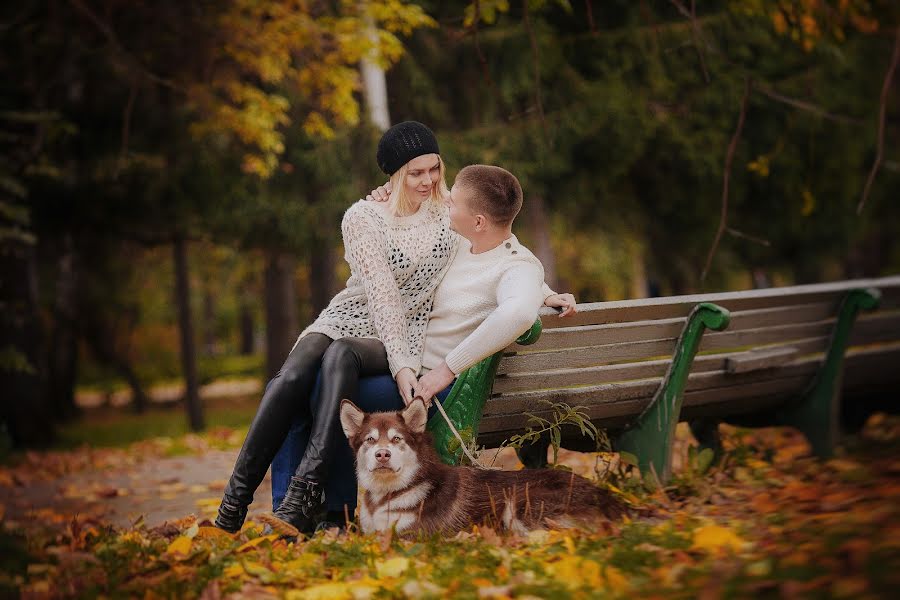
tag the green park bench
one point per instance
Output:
(775, 356)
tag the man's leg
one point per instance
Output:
(285, 396)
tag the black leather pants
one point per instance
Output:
(342, 363)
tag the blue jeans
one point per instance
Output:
(378, 393)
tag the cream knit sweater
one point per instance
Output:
(484, 302)
(395, 265)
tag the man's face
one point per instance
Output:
(462, 220)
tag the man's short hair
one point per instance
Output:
(496, 192)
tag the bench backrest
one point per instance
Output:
(612, 356)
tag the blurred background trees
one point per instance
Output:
(174, 173)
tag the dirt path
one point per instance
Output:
(119, 486)
(159, 489)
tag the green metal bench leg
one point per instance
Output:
(816, 414)
(466, 401)
(651, 436)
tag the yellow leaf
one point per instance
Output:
(257, 541)
(570, 545)
(235, 570)
(212, 533)
(615, 580)
(392, 567)
(809, 203)
(324, 591)
(257, 569)
(180, 546)
(714, 538)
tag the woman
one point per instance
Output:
(396, 254)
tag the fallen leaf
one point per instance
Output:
(392, 567)
(180, 547)
(715, 538)
(257, 541)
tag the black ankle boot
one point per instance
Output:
(231, 515)
(301, 503)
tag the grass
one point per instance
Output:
(209, 368)
(118, 427)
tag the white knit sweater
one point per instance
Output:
(485, 301)
(395, 265)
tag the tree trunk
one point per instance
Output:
(282, 324)
(186, 326)
(640, 287)
(209, 321)
(375, 86)
(246, 326)
(23, 407)
(540, 235)
(100, 338)
(63, 350)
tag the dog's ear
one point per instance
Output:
(351, 418)
(415, 415)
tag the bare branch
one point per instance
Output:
(768, 92)
(747, 236)
(481, 58)
(590, 16)
(879, 155)
(537, 68)
(114, 40)
(126, 126)
(691, 15)
(729, 157)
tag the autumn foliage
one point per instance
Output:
(767, 519)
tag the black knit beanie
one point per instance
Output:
(402, 143)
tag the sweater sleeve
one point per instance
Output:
(519, 296)
(367, 255)
(546, 292)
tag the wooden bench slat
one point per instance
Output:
(621, 311)
(760, 358)
(880, 326)
(558, 378)
(598, 355)
(597, 335)
(614, 392)
(769, 392)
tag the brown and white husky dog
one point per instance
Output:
(408, 487)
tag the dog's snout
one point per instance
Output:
(382, 455)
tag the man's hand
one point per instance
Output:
(380, 194)
(406, 383)
(564, 301)
(433, 382)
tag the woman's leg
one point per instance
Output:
(285, 396)
(345, 361)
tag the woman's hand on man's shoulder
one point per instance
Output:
(380, 194)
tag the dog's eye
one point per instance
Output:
(397, 439)
(370, 440)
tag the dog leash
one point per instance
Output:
(452, 427)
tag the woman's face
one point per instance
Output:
(422, 175)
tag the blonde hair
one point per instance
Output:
(400, 203)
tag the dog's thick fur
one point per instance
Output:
(408, 487)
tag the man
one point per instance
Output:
(493, 287)
(489, 296)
